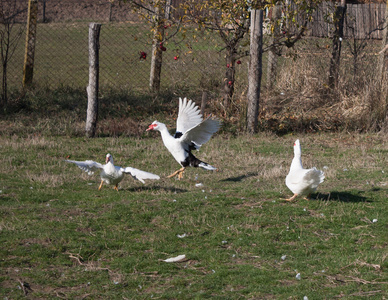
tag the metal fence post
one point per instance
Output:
(92, 89)
(28, 69)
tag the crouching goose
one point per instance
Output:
(111, 174)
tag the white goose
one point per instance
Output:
(191, 133)
(302, 181)
(111, 174)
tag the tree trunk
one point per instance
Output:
(255, 69)
(92, 89)
(4, 94)
(228, 88)
(44, 20)
(339, 17)
(5, 37)
(157, 53)
(272, 53)
(28, 69)
(9, 40)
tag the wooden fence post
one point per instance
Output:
(383, 54)
(92, 89)
(110, 12)
(255, 69)
(28, 69)
(383, 68)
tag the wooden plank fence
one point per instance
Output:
(362, 21)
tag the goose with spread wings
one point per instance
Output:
(191, 133)
(111, 174)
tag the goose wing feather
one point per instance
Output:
(189, 115)
(88, 166)
(202, 132)
(139, 174)
(313, 177)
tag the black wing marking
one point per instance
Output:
(178, 134)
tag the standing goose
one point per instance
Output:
(302, 181)
(191, 133)
(111, 174)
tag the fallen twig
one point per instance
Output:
(77, 257)
(363, 281)
(362, 263)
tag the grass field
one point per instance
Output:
(62, 238)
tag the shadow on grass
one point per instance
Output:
(155, 188)
(239, 178)
(342, 197)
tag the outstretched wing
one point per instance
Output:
(189, 115)
(88, 166)
(201, 133)
(139, 174)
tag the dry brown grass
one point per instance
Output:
(302, 100)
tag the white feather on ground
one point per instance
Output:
(178, 258)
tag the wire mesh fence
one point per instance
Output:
(61, 54)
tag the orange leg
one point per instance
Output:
(116, 187)
(99, 188)
(292, 198)
(179, 173)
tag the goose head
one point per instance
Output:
(297, 149)
(154, 126)
(109, 158)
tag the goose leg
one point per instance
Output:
(307, 197)
(99, 188)
(178, 172)
(292, 198)
(116, 187)
(180, 175)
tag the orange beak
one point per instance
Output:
(151, 127)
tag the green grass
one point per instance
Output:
(65, 239)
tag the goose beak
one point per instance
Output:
(151, 127)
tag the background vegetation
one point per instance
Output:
(300, 99)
